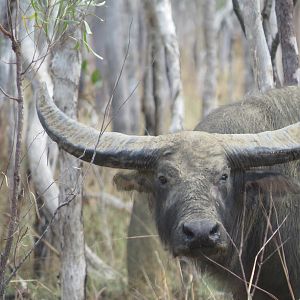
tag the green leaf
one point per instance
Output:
(87, 27)
(89, 48)
(93, 3)
(32, 17)
(96, 77)
(84, 65)
(77, 45)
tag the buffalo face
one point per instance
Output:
(190, 191)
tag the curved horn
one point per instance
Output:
(263, 149)
(109, 149)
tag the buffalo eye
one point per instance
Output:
(224, 177)
(162, 179)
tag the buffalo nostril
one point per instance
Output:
(188, 231)
(214, 233)
(201, 233)
(214, 230)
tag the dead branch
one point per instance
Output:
(9, 96)
(6, 33)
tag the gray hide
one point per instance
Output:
(229, 188)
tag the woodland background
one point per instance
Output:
(137, 67)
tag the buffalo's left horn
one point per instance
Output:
(108, 149)
(263, 149)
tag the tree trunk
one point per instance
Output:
(297, 22)
(209, 96)
(158, 86)
(66, 66)
(132, 64)
(260, 55)
(287, 37)
(148, 100)
(121, 85)
(5, 54)
(159, 14)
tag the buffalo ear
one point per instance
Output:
(274, 182)
(132, 181)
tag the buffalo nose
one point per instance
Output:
(201, 233)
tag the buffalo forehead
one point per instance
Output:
(199, 156)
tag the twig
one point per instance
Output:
(13, 273)
(281, 253)
(260, 250)
(5, 32)
(108, 105)
(238, 277)
(268, 218)
(9, 96)
(52, 248)
(242, 241)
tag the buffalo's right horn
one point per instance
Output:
(265, 148)
(109, 149)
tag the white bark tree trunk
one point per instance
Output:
(125, 112)
(66, 67)
(5, 54)
(132, 63)
(209, 96)
(287, 37)
(297, 22)
(148, 100)
(160, 13)
(37, 149)
(260, 55)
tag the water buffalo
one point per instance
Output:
(225, 195)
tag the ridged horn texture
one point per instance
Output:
(116, 150)
(263, 149)
(109, 149)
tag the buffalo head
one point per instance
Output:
(194, 176)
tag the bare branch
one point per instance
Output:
(14, 272)
(9, 96)
(5, 32)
